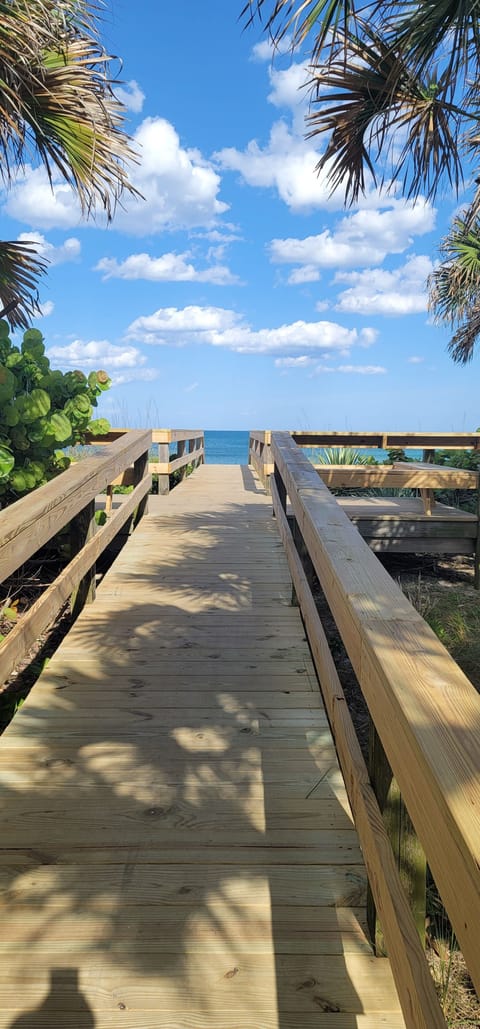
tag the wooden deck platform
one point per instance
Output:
(176, 846)
(401, 524)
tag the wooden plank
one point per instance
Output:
(414, 983)
(412, 686)
(411, 475)
(389, 440)
(178, 820)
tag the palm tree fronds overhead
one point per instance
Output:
(20, 269)
(57, 100)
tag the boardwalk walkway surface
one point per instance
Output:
(176, 845)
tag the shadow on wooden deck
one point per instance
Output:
(175, 825)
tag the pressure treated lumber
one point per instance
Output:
(176, 838)
(425, 710)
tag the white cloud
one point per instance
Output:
(180, 189)
(352, 369)
(131, 96)
(286, 164)
(375, 291)
(220, 327)
(294, 362)
(67, 251)
(96, 354)
(363, 238)
(415, 360)
(168, 267)
(305, 273)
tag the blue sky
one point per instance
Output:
(239, 294)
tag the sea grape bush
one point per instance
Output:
(42, 411)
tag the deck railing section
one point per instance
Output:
(260, 455)
(69, 499)
(190, 453)
(424, 709)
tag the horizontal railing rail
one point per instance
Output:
(69, 499)
(426, 441)
(425, 710)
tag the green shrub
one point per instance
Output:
(42, 411)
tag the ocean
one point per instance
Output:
(226, 447)
(222, 447)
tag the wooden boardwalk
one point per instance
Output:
(176, 845)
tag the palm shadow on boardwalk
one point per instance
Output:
(175, 825)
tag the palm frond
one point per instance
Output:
(20, 269)
(365, 101)
(462, 344)
(57, 100)
(299, 18)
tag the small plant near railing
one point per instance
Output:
(342, 455)
(42, 411)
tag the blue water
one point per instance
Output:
(226, 447)
(222, 447)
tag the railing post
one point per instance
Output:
(408, 852)
(82, 529)
(281, 488)
(180, 453)
(163, 479)
(140, 468)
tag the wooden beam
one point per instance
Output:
(412, 977)
(426, 711)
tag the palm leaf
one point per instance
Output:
(57, 100)
(298, 18)
(365, 98)
(20, 269)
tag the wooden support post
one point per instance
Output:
(429, 456)
(82, 529)
(408, 853)
(109, 501)
(181, 445)
(140, 469)
(163, 458)
(428, 498)
(281, 488)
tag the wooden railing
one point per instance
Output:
(259, 451)
(190, 452)
(190, 446)
(34, 520)
(424, 709)
(260, 456)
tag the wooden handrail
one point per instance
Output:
(401, 474)
(425, 710)
(33, 520)
(389, 440)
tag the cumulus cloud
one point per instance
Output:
(286, 164)
(219, 327)
(168, 267)
(360, 239)
(180, 189)
(398, 292)
(69, 250)
(96, 354)
(131, 96)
